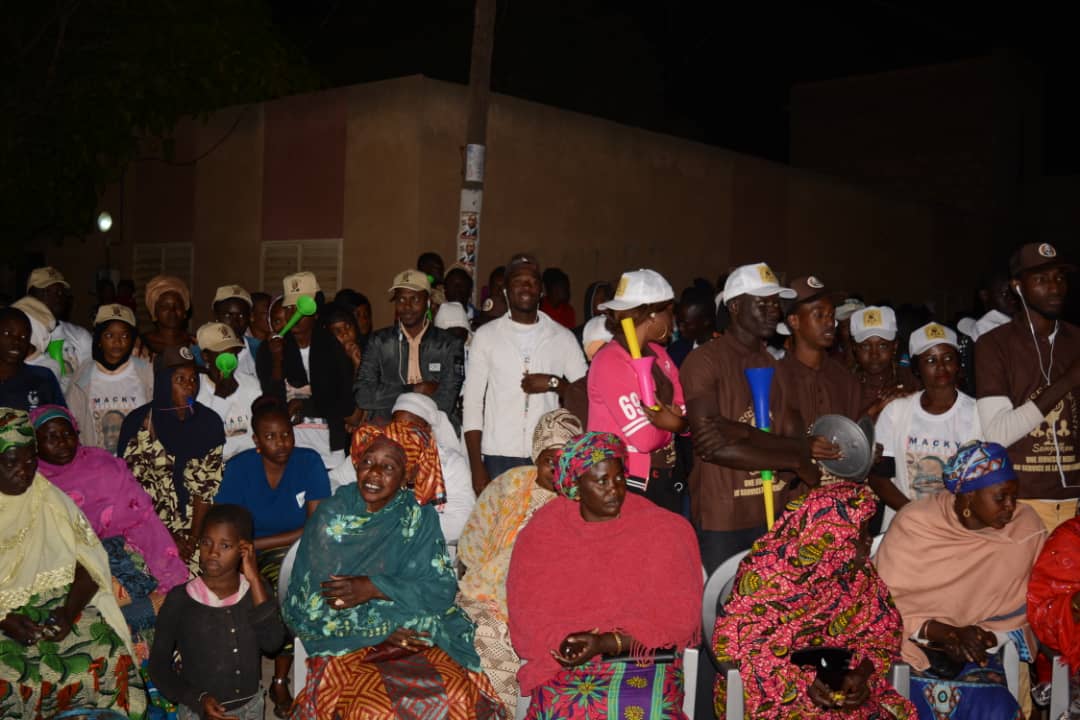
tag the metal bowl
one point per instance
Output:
(856, 441)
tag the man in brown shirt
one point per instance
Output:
(1027, 375)
(727, 503)
(819, 385)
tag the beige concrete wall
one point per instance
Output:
(588, 195)
(382, 167)
(228, 206)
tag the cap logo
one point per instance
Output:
(814, 283)
(766, 274)
(295, 285)
(624, 282)
(1047, 250)
(186, 354)
(116, 311)
(224, 333)
(872, 318)
(935, 332)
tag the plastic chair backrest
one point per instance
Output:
(286, 570)
(717, 590)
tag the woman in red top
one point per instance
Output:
(614, 399)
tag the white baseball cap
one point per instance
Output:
(873, 321)
(757, 279)
(637, 288)
(930, 335)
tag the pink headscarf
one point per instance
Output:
(113, 501)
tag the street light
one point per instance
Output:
(104, 222)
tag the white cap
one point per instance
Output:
(595, 335)
(637, 288)
(873, 321)
(757, 279)
(452, 315)
(848, 308)
(930, 335)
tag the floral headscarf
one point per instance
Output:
(421, 453)
(799, 587)
(15, 429)
(977, 465)
(580, 454)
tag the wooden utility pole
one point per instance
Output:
(472, 186)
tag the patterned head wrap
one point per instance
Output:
(555, 429)
(580, 454)
(977, 465)
(15, 429)
(421, 454)
(44, 413)
(161, 284)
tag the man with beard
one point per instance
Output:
(819, 384)
(1028, 385)
(726, 494)
(520, 365)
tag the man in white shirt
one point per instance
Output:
(49, 286)
(231, 397)
(519, 366)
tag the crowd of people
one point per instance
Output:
(483, 508)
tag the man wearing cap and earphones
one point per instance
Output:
(1028, 385)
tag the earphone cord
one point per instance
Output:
(1046, 376)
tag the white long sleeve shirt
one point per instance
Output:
(502, 351)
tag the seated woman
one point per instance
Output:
(957, 565)
(578, 564)
(808, 584)
(1053, 599)
(488, 540)
(920, 432)
(372, 598)
(280, 485)
(142, 555)
(63, 640)
(173, 447)
(421, 411)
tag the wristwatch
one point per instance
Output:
(553, 383)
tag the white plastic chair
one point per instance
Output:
(1059, 689)
(299, 654)
(717, 591)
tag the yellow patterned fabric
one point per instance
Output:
(44, 535)
(487, 541)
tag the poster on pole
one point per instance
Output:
(468, 232)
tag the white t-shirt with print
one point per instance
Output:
(925, 443)
(112, 396)
(234, 411)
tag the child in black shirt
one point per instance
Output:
(221, 623)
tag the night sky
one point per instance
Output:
(715, 72)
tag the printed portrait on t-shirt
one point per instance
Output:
(926, 474)
(110, 429)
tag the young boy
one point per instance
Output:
(221, 623)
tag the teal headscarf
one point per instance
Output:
(401, 549)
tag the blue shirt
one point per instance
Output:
(30, 387)
(275, 510)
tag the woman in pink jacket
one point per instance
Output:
(614, 399)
